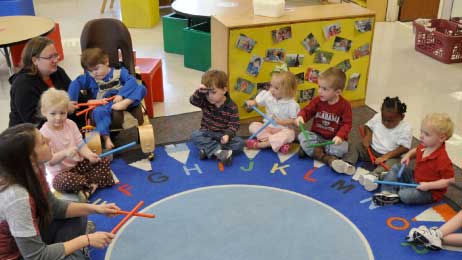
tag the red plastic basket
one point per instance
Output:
(442, 40)
(457, 19)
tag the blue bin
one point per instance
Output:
(16, 7)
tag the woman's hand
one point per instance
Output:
(109, 210)
(100, 239)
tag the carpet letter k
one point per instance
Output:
(275, 168)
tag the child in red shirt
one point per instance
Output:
(332, 120)
(433, 170)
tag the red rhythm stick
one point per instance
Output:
(371, 155)
(125, 219)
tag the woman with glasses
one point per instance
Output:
(40, 71)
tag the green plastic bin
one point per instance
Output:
(173, 25)
(197, 46)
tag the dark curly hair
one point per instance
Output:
(394, 104)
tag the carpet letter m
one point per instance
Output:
(340, 185)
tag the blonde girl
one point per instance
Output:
(73, 167)
(279, 102)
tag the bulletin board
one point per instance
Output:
(344, 42)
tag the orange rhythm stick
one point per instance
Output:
(144, 215)
(125, 219)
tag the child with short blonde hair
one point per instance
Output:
(220, 118)
(332, 120)
(433, 170)
(74, 167)
(279, 102)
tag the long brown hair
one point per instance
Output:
(17, 145)
(33, 48)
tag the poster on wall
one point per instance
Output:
(341, 44)
(363, 25)
(294, 60)
(275, 55)
(353, 82)
(361, 51)
(331, 30)
(299, 77)
(245, 43)
(312, 75)
(244, 85)
(281, 34)
(305, 95)
(311, 44)
(344, 65)
(254, 66)
(323, 57)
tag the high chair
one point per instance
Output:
(113, 37)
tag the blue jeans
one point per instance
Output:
(210, 142)
(407, 195)
(337, 150)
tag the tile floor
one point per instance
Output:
(424, 84)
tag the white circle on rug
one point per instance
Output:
(240, 222)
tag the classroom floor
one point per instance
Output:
(424, 84)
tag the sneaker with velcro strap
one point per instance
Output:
(385, 198)
(430, 238)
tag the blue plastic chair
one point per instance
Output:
(16, 7)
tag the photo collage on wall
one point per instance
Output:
(320, 49)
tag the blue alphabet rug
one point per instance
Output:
(264, 206)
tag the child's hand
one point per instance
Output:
(299, 120)
(117, 99)
(97, 101)
(366, 143)
(225, 139)
(71, 151)
(380, 159)
(203, 89)
(72, 107)
(405, 160)
(423, 186)
(251, 103)
(93, 158)
(337, 140)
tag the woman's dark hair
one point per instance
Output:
(394, 104)
(16, 148)
(33, 48)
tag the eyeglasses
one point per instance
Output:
(54, 56)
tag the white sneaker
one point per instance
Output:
(359, 171)
(369, 182)
(343, 167)
(430, 238)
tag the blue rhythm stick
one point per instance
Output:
(400, 172)
(270, 121)
(397, 183)
(117, 149)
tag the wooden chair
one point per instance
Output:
(103, 5)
